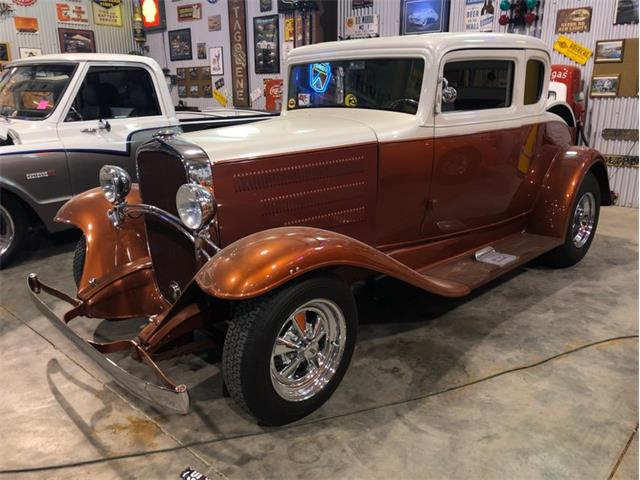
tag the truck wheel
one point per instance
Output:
(286, 352)
(13, 228)
(582, 229)
(78, 259)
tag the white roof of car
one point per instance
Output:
(86, 57)
(437, 42)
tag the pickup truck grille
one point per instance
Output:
(160, 175)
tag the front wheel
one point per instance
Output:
(582, 229)
(285, 353)
(13, 229)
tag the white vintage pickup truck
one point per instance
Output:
(62, 117)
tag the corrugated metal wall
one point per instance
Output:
(108, 39)
(601, 112)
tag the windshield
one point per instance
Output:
(33, 91)
(378, 83)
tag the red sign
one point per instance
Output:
(273, 94)
(151, 13)
(26, 24)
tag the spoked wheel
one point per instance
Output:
(582, 228)
(308, 350)
(286, 352)
(13, 227)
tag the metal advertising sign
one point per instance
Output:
(573, 50)
(273, 94)
(71, 12)
(573, 20)
(478, 16)
(189, 12)
(365, 26)
(109, 16)
(238, 39)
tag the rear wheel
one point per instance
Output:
(13, 228)
(582, 229)
(285, 353)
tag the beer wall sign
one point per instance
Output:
(238, 39)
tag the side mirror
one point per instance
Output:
(449, 94)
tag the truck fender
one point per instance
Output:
(258, 263)
(117, 280)
(553, 208)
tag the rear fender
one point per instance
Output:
(553, 207)
(258, 263)
(117, 280)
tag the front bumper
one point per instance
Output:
(168, 396)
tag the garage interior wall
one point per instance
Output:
(158, 43)
(618, 112)
(108, 39)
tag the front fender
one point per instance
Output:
(117, 260)
(553, 207)
(260, 262)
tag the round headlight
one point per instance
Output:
(115, 183)
(195, 204)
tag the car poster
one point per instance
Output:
(267, 49)
(626, 12)
(424, 16)
(76, 41)
(478, 16)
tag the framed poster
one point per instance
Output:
(29, 52)
(201, 49)
(5, 56)
(187, 13)
(180, 45)
(76, 41)
(214, 23)
(238, 42)
(266, 5)
(605, 85)
(424, 16)
(266, 44)
(609, 51)
(216, 67)
(626, 12)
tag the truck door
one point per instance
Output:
(113, 110)
(478, 139)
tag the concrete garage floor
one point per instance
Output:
(521, 380)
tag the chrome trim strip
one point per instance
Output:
(161, 214)
(176, 400)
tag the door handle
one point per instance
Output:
(102, 125)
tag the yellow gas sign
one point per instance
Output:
(573, 50)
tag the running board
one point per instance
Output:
(479, 266)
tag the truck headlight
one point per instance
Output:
(196, 205)
(115, 183)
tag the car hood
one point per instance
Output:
(294, 132)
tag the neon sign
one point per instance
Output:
(150, 13)
(319, 76)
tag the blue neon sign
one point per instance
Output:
(319, 76)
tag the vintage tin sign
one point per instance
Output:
(364, 26)
(573, 20)
(238, 39)
(573, 50)
(109, 16)
(71, 12)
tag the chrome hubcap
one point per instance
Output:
(584, 217)
(308, 350)
(7, 230)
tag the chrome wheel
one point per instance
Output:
(7, 230)
(584, 218)
(308, 350)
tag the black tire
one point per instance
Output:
(246, 357)
(20, 220)
(568, 254)
(78, 259)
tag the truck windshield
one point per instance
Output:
(33, 91)
(378, 83)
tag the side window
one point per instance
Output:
(534, 82)
(114, 92)
(480, 84)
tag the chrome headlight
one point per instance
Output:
(115, 183)
(196, 205)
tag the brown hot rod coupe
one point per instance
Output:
(430, 159)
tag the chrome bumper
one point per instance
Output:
(169, 397)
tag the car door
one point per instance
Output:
(478, 137)
(113, 110)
